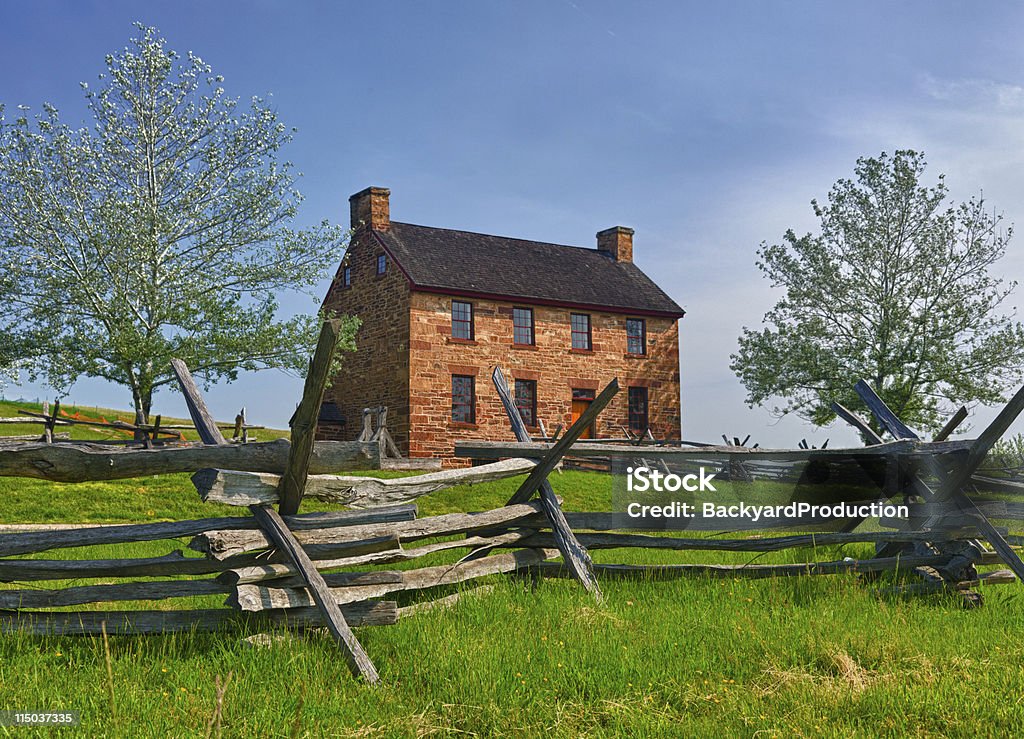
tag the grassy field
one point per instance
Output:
(790, 657)
(808, 657)
(10, 408)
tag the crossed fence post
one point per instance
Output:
(291, 489)
(953, 479)
(576, 557)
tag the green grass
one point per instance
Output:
(10, 408)
(788, 657)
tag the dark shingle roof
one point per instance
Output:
(464, 262)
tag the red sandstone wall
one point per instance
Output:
(435, 356)
(377, 373)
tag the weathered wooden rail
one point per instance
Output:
(937, 540)
(233, 487)
(84, 462)
(276, 568)
(488, 450)
(269, 568)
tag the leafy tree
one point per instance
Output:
(8, 362)
(8, 372)
(897, 289)
(160, 231)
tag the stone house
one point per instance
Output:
(440, 308)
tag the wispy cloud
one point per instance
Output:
(975, 93)
(971, 129)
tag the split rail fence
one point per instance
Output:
(276, 566)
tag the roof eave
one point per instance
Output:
(508, 298)
(392, 257)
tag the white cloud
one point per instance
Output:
(972, 130)
(974, 92)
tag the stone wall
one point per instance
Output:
(435, 356)
(377, 373)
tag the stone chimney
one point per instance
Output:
(370, 208)
(617, 242)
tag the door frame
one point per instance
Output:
(587, 396)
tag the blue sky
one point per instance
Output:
(707, 127)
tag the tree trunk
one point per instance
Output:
(147, 404)
(142, 402)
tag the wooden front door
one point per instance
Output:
(581, 400)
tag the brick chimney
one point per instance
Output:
(617, 242)
(369, 207)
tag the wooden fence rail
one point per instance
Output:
(83, 462)
(232, 487)
(279, 568)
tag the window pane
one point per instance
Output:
(580, 323)
(522, 326)
(463, 409)
(348, 277)
(526, 401)
(462, 320)
(636, 336)
(638, 410)
(382, 263)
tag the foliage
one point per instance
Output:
(160, 231)
(896, 289)
(8, 371)
(10, 364)
(1007, 454)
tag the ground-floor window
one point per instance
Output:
(526, 401)
(463, 399)
(638, 421)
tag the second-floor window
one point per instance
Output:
(580, 324)
(463, 399)
(636, 336)
(346, 277)
(382, 263)
(462, 320)
(522, 326)
(526, 401)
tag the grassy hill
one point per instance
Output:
(10, 408)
